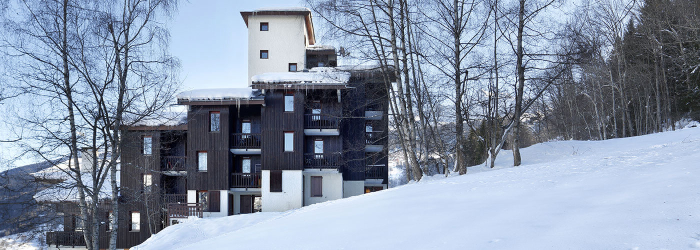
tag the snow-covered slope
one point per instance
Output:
(633, 193)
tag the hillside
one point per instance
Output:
(632, 193)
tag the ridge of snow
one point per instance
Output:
(218, 94)
(322, 75)
(320, 47)
(628, 193)
(282, 9)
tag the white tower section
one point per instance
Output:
(283, 34)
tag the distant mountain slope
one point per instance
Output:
(632, 193)
(17, 190)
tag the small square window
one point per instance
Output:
(264, 27)
(263, 54)
(292, 67)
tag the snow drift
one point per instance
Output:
(632, 193)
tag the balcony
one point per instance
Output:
(174, 165)
(245, 143)
(375, 141)
(373, 115)
(72, 239)
(174, 198)
(323, 161)
(184, 210)
(375, 171)
(245, 180)
(321, 125)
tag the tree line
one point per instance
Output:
(469, 78)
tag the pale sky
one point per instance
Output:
(211, 40)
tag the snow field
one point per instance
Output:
(632, 193)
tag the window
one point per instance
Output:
(275, 181)
(289, 103)
(316, 114)
(245, 129)
(147, 182)
(202, 161)
(321, 64)
(316, 186)
(263, 54)
(292, 67)
(147, 145)
(203, 198)
(264, 26)
(214, 121)
(135, 224)
(318, 148)
(372, 189)
(245, 165)
(288, 141)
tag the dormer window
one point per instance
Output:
(264, 27)
(263, 54)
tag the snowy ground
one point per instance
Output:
(633, 193)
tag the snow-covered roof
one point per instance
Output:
(320, 47)
(164, 119)
(322, 75)
(219, 94)
(282, 9)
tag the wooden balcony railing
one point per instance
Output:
(321, 121)
(375, 137)
(375, 172)
(245, 140)
(174, 198)
(245, 180)
(325, 160)
(173, 163)
(59, 238)
(185, 210)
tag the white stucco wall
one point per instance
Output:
(352, 188)
(285, 42)
(332, 186)
(291, 196)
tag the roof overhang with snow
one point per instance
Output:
(222, 96)
(286, 12)
(315, 78)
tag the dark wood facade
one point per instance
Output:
(275, 121)
(175, 150)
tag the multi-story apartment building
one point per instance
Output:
(304, 132)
